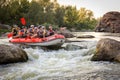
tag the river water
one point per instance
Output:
(59, 64)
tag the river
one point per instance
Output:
(61, 64)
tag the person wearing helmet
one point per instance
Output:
(15, 30)
(40, 32)
(51, 31)
(44, 31)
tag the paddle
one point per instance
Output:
(23, 21)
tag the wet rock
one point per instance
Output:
(74, 47)
(12, 54)
(85, 36)
(107, 50)
(3, 26)
(66, 33)
(5, 34)
(110, 22)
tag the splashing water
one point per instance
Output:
(60, 63)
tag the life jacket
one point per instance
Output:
(40, 33)
(51, 32)
(31, 30)
(45, 32)
(23, 33)
(20, 33)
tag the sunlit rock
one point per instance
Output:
(107, 50)
(85, 36)
(110, 22)
(12, 54)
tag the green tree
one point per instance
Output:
(46, 12)
(12, 13)
(86, 19)
(59, 16)
(4, 2)
(4, 16)
(71, 16)
(32, 15)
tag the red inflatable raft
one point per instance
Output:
(53, 40)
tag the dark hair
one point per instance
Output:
(39, 26)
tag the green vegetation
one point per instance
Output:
(46, 12)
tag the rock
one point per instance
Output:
(85, 36)
(5, 34)
(3, 26)
(12, 54)
(66, 33)
(107, 50)
(74, 47)
(110, 22)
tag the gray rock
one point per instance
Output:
(107, 50)
(85, 36)
(3, 26)
(5, 34)
(66, 33)
(12, 54)
(74, 47)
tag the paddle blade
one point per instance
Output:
(23, 21)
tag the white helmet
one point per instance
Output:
(31, 25)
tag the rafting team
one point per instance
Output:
(32, 32)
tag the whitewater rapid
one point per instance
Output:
(52, 64)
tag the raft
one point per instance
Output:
(54, 40)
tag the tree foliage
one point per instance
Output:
(46, 12)
(71, 16)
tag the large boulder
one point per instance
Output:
(12, 54)
(107, 50)
(110, 22)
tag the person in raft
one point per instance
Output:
(51, 31)
(40, 32)
(15, 30)
(44, 32)
(32, 32)
(18, 34)
(24, 32)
